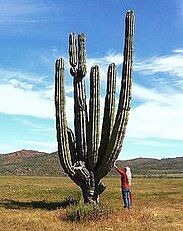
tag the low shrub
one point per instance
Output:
(86, 212)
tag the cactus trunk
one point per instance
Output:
(85, 156)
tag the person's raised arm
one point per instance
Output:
(119, 171)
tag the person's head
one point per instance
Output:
(128, 173)
(127, 169)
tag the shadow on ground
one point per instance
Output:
(12, 204)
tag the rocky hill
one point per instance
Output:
(29, 162)
(154, 167)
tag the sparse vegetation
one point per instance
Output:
(88, 212)
(50, 203)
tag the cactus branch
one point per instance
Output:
(80, 107)
(119, 128)
(61, 123)
(62, 137)
(109, 111)
(81, 55)
(94, 117)
(73, 50)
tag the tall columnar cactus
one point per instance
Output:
(85, 155)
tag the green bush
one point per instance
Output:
(86, 212)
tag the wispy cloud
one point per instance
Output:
(19, 84)
(35, 126)
(151, 142)
(17, 77)
(159, 116)
(171, 64)
(40, 145)
(13, 12)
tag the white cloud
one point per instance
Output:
(20, 77)
(147, 94)
(153, 143)
(103, 63)
(172, 64)
(28, 102)
(160, 116)
(16, 101)
(16, 83)
(178, 51)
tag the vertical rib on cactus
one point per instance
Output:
(62, 136)
(94, 117)
(72, 145)
(80, 108)
(109, 111)
(119, 128)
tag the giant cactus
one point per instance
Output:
(85, 155)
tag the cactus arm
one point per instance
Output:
(121, 120)
(125, 94)
(73, 58)
(109, 111)
(81, 55)
(94, 117)
(80, 108)
(61, 123)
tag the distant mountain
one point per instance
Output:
(149, 166)
(29, 162)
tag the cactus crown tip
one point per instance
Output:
(130, 11)
(60, 60)
(95, 66)
(82, 36)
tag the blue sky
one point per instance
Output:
(33, 33)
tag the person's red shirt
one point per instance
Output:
(124, 179)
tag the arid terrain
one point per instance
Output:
(49, 203)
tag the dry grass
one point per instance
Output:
(43, 203)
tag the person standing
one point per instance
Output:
(125, 185)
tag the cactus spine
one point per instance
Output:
(85, 156)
